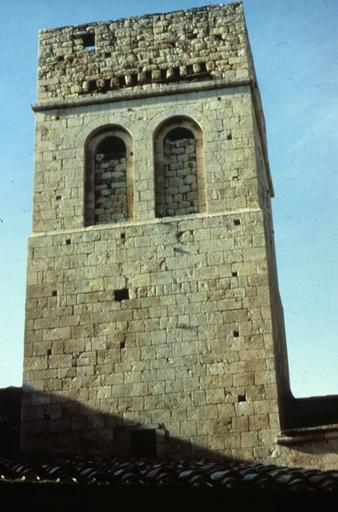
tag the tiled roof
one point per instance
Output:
(117, 471)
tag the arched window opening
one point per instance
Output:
(179, 182)
(110, 181)
(108, 189)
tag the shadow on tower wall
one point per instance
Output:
(10, 417)
(53, 424)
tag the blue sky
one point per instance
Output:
(294, 44)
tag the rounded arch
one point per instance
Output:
(105, 122)
(179, 167)
(183, 122)
(182, 111)
(99, 132)
(109, 195)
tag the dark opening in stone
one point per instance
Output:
(111, 145)
(179, 134)
(122, 294)
(88, 39)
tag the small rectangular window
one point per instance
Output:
(122, 294)
(88, 39)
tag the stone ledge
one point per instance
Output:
(144, 222)
(124, 95)
(307, 435)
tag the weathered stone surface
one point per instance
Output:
(209, 42)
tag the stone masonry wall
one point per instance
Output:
(202, 43)
(190, 351)
(110, 188)
(176, 189)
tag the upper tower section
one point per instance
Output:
(148, 117)
(143, 53)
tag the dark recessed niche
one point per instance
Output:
(49, 352)
(54, 293)
(122, 344)
(176, 72)
(68, 241)
(237, 222)
(111, 146)
(236, 333)
(179, 134)
(88, 40)
(123, 236)
(241, 398)
(120, 295)
(58, 198)
(91, 86)
(229, 136)
(234, 274)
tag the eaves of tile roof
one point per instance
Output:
(143, 472)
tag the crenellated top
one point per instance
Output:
(199, 44)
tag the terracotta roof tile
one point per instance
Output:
(117, 471)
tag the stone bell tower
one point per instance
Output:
(153, 319)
